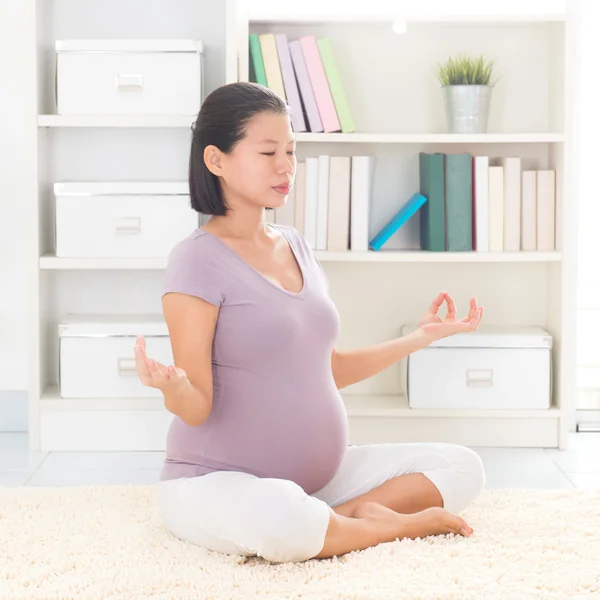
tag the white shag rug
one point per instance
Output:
(108, 543)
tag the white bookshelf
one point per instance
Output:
(383, 256)
(398, 113)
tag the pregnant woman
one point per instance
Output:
(258, 461)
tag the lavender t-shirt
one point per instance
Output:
(276, 410)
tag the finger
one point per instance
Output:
(451, 314)
(472, 307)
(155, 372)
(141, 363)
(163, 370)
(479, 315)
(474, 322)
(434, 307)
(472, 310)
(141, 343)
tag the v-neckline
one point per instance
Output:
(298, 294)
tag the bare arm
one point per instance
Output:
(352, 366)
(187, 387)
(191, 322)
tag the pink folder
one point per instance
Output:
(320, 85)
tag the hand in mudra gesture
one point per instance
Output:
(436, 328)
(154, 374)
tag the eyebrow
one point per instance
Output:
(274, 141)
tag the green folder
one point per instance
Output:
(459, 203)
(335, 86)
(257, 60)
(433, 212)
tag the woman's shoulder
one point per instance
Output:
(191, 268)
(199, 242)
(291, 233)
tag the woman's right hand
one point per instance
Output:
(154, 374)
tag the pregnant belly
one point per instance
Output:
(299, 439)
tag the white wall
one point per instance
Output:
(407, 7)
(18, 133)
(588, 356)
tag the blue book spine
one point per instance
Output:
(405, 213)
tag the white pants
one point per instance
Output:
(238, 513)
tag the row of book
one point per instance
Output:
(303, 72)
(465, 203)
(481, 203)
(329, 202)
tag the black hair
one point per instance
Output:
(222, 122)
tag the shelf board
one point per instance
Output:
(384, 18)
(383, 256)
(51, 400)
(180, 121)
(52, 262)
(417, 256)
(397, 406)
(356, 406)
(186, 121)
(431, 138)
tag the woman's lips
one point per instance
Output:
(282, 189)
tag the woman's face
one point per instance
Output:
(260, 169)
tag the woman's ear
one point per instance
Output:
(212, 160)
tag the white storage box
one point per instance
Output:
(112, 220)
(129, 77)
(495, 368)
(96, 357)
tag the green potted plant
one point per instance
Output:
(467, 86)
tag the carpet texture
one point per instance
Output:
(108, 543)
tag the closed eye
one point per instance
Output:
(273, 153)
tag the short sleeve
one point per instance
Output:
(191, 270)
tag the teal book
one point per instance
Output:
(433, 213)
(415, 202)
(459, 202)
(257, 65)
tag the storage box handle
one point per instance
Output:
(128, 226)
(126, 367)
(127, 82)
(480, 377)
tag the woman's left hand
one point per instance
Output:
(435, 328)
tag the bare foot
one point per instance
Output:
(431, 521)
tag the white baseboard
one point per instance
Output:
(146, 430)
(14, 411)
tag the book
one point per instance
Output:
(512, 204)
(322, 201)
(528, 211)
(496, 208)
(546, 208)
(258, 66)
(338, 219)
(360, 200)
(335, 85)
(433, 213)
(289, 82)
(415, 202)
(459, 202)
(271, 61)
(306, 92)
(311, 194)
(318, 81)
(481, 237)
(299, 196)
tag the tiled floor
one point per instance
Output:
(579, 466)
